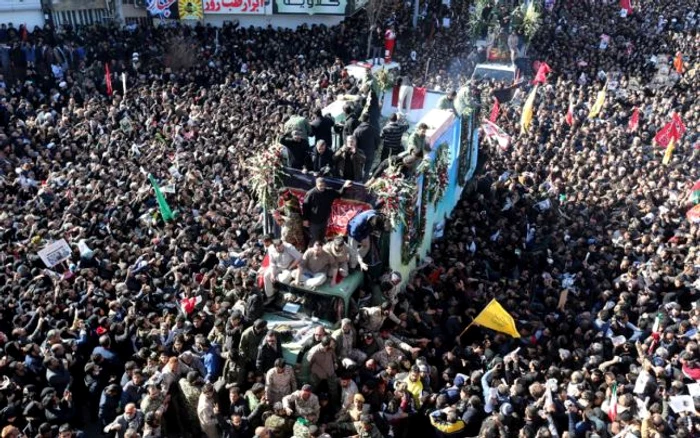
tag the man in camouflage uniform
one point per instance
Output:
(279, 424)
(191, 389)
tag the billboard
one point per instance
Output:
(256, 7)
(313, 7)
(75, 5)
(190, 10)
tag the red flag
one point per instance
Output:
(634, 121)
(495, 110)
(108, 80)
(570, 115)
(626, 5)
(678, 124)
(542, 71)
(417, 101)
(665, 134)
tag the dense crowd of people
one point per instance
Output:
(153, 328)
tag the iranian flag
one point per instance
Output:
(695, 193)
(612, 409)
(570, 115)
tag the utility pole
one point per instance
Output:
(416, 9)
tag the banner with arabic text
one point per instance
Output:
(342, 211)
(163, 9)
(234, 7)
(191, 10)
(313, 7)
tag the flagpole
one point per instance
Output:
(465, 330)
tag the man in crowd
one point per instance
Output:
(349, 161)
(284, 258)
(316, 267)
(316, 209)
(579, 228)
(392, 136)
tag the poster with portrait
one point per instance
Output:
(190, 10)
(55, 253)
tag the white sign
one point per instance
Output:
(311, 7)
(641, 382)
(681, 403)
(55, 252)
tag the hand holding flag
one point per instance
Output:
(526, 117)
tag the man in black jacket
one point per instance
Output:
(321, 160)
(316, 209)
(346, 129)
(367, 141)
(391, 136)
(322, 127)
(297, 149)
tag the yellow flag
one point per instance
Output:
(669, 151)
(599, 102)
(526, 117)
(496, 318)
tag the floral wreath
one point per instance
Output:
(436, 173)
(394, 192)
(414, 229)
(266, 175)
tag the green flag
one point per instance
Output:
(165, 211)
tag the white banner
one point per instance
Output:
(251, 7)
(311, 7)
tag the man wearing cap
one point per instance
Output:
(365, 428)
(279, 423)
(302, 403)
